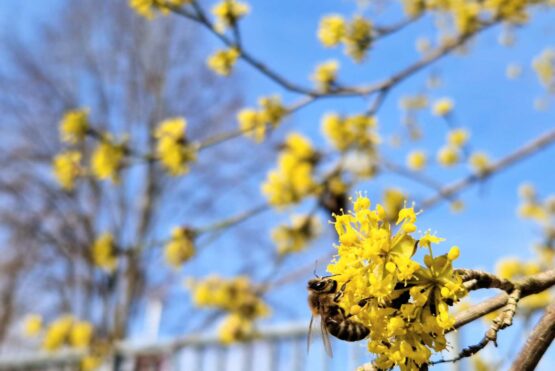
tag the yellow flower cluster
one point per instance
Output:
(458, 137)
(448, 155)
(404, 304)
(74, 125)
(107, 158)
(66, 167)
(544, 66)
(67, 331)
(416, 160)
(172, 148)
(255, 123)
(351, 132)
(223, 61)
(297, 236)
(180, 247)
(533, 208)
(293, 179)
(147, 8)
(228, 12)
(236, 296)
(325, 75)
(103, 252)
(355, 35)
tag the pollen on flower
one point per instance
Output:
(103, 252)
(74, 125)
(66, 167)
(172, 148)
(223, 61)
(443, 107)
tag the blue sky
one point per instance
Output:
(498, 112)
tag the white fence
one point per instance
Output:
(278, 348)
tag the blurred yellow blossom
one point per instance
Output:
(180, 247)
(513, 71)
(255, 123)
(223, 61)
(448, 156)
(297, 236)
(458, 137)
(325, 75)
(57, 333)
(146, 8)
(74, 125)
(228, 12)
(480, 162)
(172, 148)
(544, 66)
(443, 107)
(32, 324)
(107, 158)
(350, 132)
(332, 30)
(81, 334)
(416, 160)
(66, 167)
(103, 252)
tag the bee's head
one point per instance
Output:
(322, 285)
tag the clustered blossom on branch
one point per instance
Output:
(404, 304)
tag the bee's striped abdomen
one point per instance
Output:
(347, 330)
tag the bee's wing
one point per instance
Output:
(309, 336)
(326, 337)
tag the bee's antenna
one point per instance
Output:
(315, 268)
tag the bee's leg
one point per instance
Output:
(339, 294)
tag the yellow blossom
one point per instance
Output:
(107, 158)
(443, 107)
(81, 334)
(448, 156)
(416, 160)
(513, 71)
(228, 12)
(180, 248)
(235, 328)
(415, 102)
(325, 75)
(350, 132)
(223, 61)
(255, 123)
(146, 8)
(67, 167)
(172, 148)
(358, 38)
(74, 125)
(404, 302)
(103, 252)
(479, 161)
(33, 324)
(457, 206)
(544, 66)
(458, 137)
(332, 30)
(57, 333)
(297, 236)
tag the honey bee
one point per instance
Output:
(323, 300)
